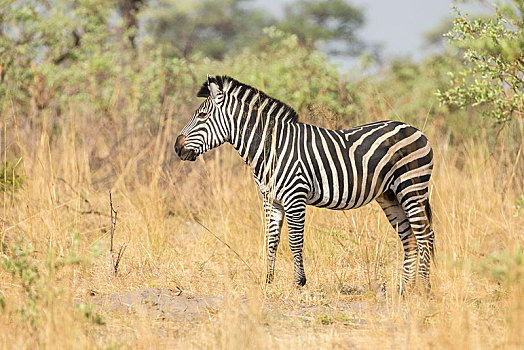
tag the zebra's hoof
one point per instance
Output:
(269, 278)
(427, 291)
(301, 282)
(405, 289)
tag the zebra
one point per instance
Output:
(297, 164)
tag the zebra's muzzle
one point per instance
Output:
(183, 152)
(188, 154)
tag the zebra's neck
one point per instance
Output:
(256, 121)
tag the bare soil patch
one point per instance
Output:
(177, 305)
(159, 303)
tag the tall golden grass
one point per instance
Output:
(70, 164)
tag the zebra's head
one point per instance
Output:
(208, 127)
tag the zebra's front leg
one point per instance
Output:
(296, 215)
(274, 217)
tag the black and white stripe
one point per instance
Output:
(297, 164)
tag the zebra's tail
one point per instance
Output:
(429, 215)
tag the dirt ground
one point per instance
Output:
(159, 303)
(177, 305)
(176, 318)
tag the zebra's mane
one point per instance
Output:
(228, 84)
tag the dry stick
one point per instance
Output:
(5, 178)
(227, 245)
(114, 214)
(114, 264)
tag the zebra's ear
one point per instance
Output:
(210, 88)
(214, 91)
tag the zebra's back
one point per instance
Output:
(349, 168)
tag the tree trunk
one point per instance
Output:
(129, 10)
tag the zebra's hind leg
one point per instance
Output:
(274, 217)
(413, 197)
(400, 222)
(418, 211)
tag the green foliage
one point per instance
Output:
(325, 22)
(210, 27)
(54, 53)
(494, 54)
(38, 39)
(519, 205)
(21, 264)
(324, 319)
(406, 91)
(218, 28)
(59, 53)
(37, 279)
(2, 301)
(504, 267)
(10, 177)
(90, 312)
(294, 74)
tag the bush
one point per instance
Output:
(39, 280)
(493, 52)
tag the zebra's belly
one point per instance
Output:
(344, 198)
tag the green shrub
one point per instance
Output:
(38, 279)
(504, 267)
(494, 55)
(10, 178)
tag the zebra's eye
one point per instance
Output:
(202, 115)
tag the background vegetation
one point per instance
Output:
(94, 92)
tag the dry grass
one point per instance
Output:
(69, 167)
